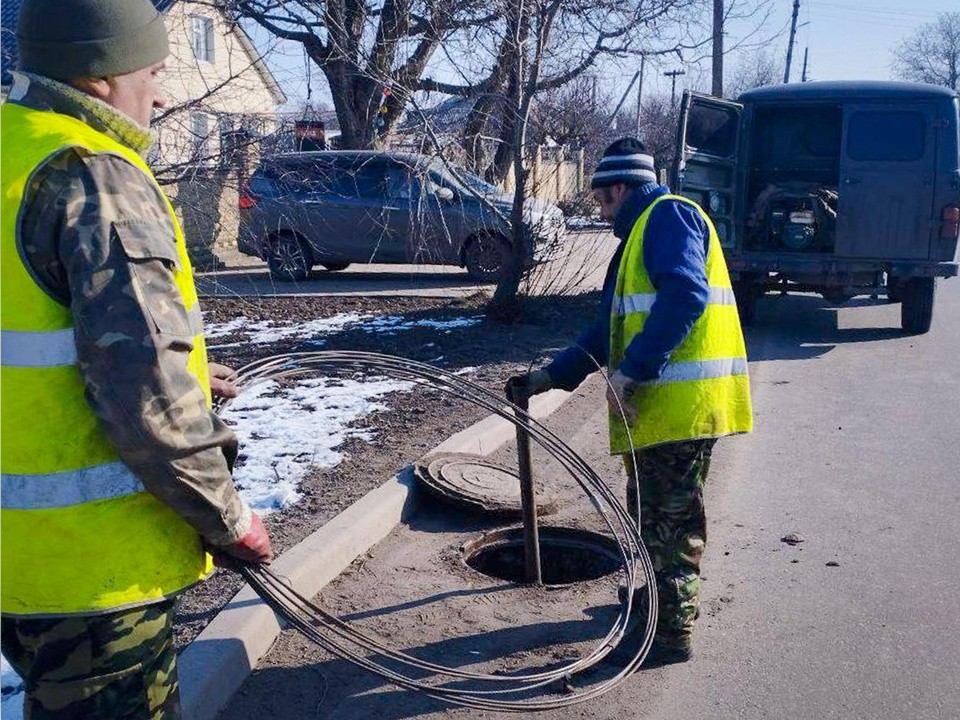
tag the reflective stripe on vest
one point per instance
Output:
(79, 533)
(703, 391)
(28, 348)
(71, 487)
(700, 370)
(643, 302)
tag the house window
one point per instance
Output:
(201, 37)
(200, 130)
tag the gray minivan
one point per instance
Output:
(839, 188)
(333, 208)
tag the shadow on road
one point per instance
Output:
(256, 281)
(336, 688)
(802, 327)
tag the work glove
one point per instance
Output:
(254, 547)
(619, 392)
(528, 384)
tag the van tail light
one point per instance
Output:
(950, 222)
(247, 200)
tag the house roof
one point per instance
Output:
(8, 52)
(447, 116)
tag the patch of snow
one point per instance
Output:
(581, 222)
(395, 323)
(215, 330)
(262, 332)
(466, 371)
(11, 707)
(284, 432)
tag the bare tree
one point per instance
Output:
(574, 114)
(579, 35)
(932, 53)
(754, 70)
(371, 53)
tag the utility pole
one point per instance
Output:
(803, 76)
(672, 74)
(643, 61)
(613, 118)
(718, 48)
(793, 36)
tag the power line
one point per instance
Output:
(891, 13)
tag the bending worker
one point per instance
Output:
(115, 469)
(669, 332)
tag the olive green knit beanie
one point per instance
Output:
(65, 39)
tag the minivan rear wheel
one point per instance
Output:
(916, 312)
(289, 258)
(335, 266)
(483, 257)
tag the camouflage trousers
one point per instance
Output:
(118, 666)
(673, 525)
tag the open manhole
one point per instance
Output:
(475, 483)
(567, 555)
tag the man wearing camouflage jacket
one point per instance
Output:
(116, 472)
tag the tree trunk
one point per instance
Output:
(505, 305)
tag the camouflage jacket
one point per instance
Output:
(151, 408)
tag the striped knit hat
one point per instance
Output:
(625, 161)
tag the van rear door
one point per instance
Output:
(708, 140)
(887, 171)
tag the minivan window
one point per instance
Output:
(303, 179)
(399, 185)
(369, 181)
(890, 136)
(712, 130)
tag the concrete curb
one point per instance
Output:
(216, 663)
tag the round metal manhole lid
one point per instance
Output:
(474, 482)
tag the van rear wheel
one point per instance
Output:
(746, 293)
(916, 312)
(289, 258)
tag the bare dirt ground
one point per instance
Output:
(413, 424)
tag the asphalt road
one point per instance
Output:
(580, 265)
(857, 448)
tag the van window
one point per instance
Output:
(887, 136)
(712, 130)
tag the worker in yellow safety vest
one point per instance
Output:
(115, 470)
(669, 333)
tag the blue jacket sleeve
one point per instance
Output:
(571, 366)
(675, 254)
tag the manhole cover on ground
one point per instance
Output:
(567, 555)
(474, 482)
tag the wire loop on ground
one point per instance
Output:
(503, 691)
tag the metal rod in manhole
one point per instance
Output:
(519, 395)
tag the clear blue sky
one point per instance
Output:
(848, 39)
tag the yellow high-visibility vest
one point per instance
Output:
(704, 390)
(80, 535)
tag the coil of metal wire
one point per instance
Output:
(500, 690)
